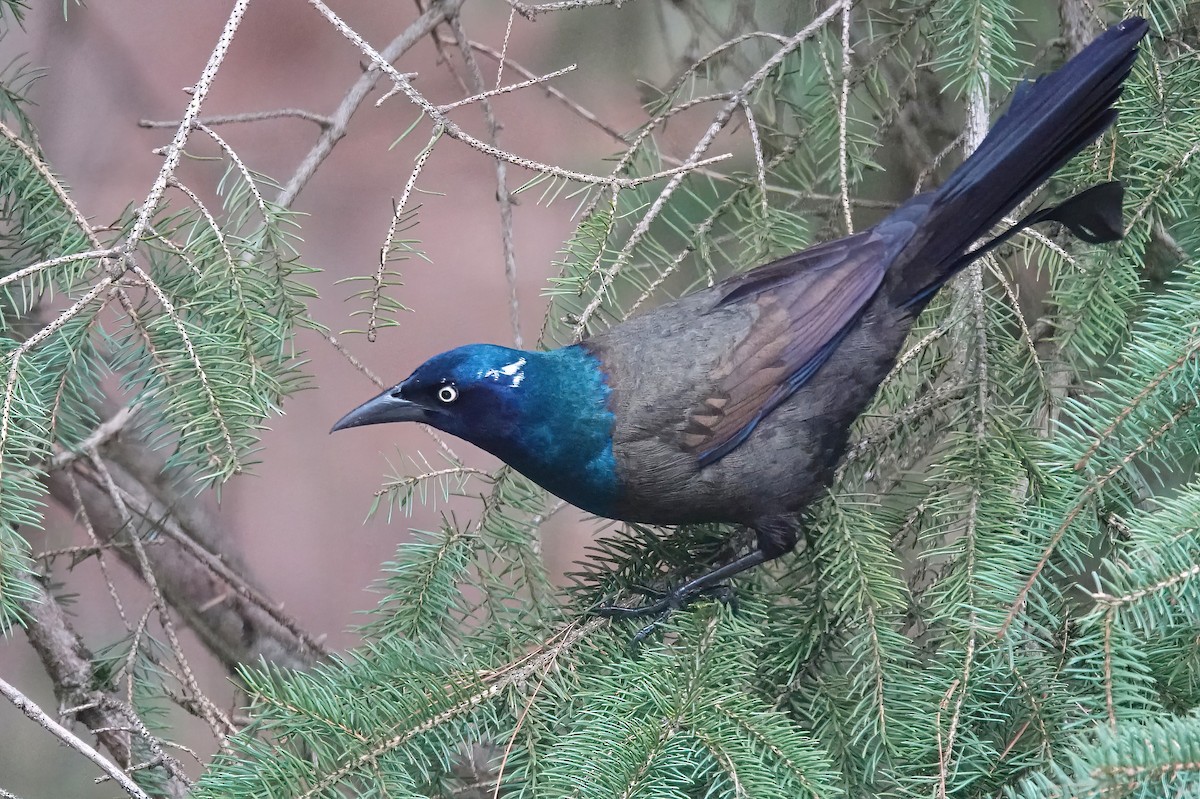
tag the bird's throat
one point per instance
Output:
(563, 436)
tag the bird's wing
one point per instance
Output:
(806, 304)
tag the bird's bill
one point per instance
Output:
(387, 407)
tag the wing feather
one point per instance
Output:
(805, 303)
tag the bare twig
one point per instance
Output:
(69, 664)
(531, 11)
(104, 431)
(30, 709)
(251, 116)
(174, 150)
(583, 113)
(503, 195)
(437, 13)
(454, 131)
(340, 348)
(483, 95)
(843, 103)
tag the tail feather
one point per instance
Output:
(1048, 122)
(1093, 215)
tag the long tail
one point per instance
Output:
(1048, 122)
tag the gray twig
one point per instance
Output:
(30, 709)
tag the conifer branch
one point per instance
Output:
(491, 685)
(694, 160)
(1080, 503)
(26, 706)
(68, 662)
(1188, 353)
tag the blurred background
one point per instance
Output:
(299, 516)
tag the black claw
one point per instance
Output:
(621, 612)
(635, 643)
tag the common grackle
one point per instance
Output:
(733, 404)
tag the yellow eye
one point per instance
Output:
(447, 394)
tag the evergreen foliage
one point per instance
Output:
(202, 341)
(1000, 597)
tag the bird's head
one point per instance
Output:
(544, 413)
(469, 392)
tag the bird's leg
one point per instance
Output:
(684, 594)
(776, 536)
(719, 557)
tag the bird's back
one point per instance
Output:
(690, 376)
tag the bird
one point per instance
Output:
(733, 404)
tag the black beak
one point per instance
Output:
(387, 407)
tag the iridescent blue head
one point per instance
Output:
(545, 414)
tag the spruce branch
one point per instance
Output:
(197, 565)
(69, 664)
(26, 706)
(695, 159)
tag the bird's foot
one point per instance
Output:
(710, 584)
(665, 602)
(664, 605)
